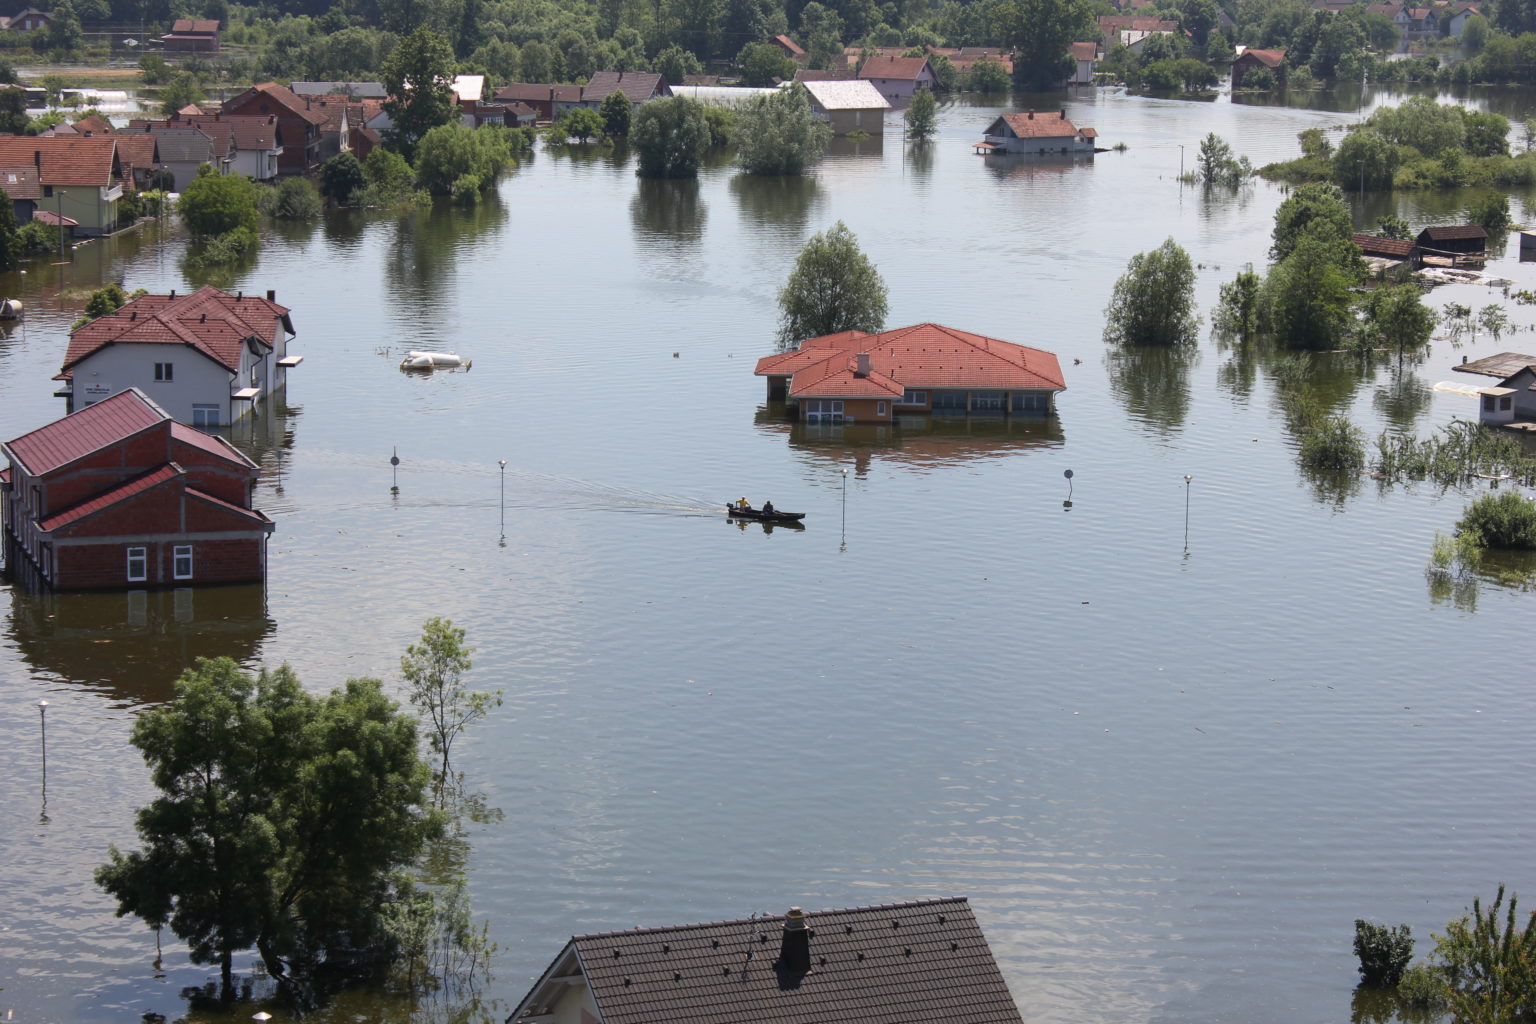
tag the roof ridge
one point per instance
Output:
(871, 908)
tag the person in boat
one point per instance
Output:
(767, 508)
(743, 503)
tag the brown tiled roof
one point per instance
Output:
(237, 131)
(1268, 58)
(637, 86)
(199, 26)
(928, 356)
(1051, 124)
(279, 94)
(906, 69)
(902, 963)
(843, 74)
(1376, 245)
(80, 433)
(790, 45)
(136, 150)
(1453, 232)
(20, 182)
(1136, 23)
(1084, 51)
(533, 92)
(53, 220)
(838, 377)
(521, 110)
(64, 159)
(93, 124)
(210, 321)
(332, 107)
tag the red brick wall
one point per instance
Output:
(157, 511)
(106, 565)
(864, 410)
(106, 468)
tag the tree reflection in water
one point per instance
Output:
(668, 211)
(1152, 383)
(786, 201)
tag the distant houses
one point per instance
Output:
(122, 496)
(898, 78)
(855, 377)
(77, 178)
(1272, 61)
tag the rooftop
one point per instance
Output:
(849, 95)
(80, 433)
(213, 322)
(906, 69)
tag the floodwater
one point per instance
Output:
(1172, 727)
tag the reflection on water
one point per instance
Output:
(914, 442)
(843, 146)
(132, 645)
(1152, 382)
(1021, 167)
(786, 201)
(1402, 399)
(668, 210)
(429, 243)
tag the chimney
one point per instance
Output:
(271, 295)
(1063, 113)
(1031, 115)
(173, 293)
(863, 365)
(795, 951)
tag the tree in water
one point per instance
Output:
(1397, 318)
(434, 670)
(834, 287)
(922, 117)
(777, 135)
(418, 77)
(281, 819)
(669, 138)
(1154, 300)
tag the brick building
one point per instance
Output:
(121, 496)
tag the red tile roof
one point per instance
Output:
(906, 69)
(20, 182)
(790, 46)
(210, 321)
(80, 433)
(1375, 245)
(838, 377)
(106, 499)
(95, 124)
(250, 513)
(1037, 125)
(200, 26)
(637, 86)
(64, 160)
(923, 356)
(1268, 58)
(210, 443)
(1084, 51)
(902, 963)
(824, 75)
(279, 94)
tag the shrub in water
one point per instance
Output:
(1335, 443)
(1504, 520)
(1383, 952)
(1423, 988)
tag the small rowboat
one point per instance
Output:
(758, 515)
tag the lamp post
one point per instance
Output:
(503, 464)
(1067, 504)
(1187, 479)
(394, 470)
(1181, 163)
(42, 722)
(58, 194)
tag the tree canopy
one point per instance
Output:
(777, 135)
(1316, 201)
(834, 287)
(418, 77)
(1154, 300)
(281, 816)
(669, 137)
(1042, 32)
(214, 204)
(922, 119)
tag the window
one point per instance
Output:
(138, 565)
(1487, 403)
(181, 563)
(823, 410)
(163, 371)
(1505, 403)
(913, 398)
(879, 408)
(205, 415)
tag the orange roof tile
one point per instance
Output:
(838, 377)
(80, 433)
(208, 320)
(1037, 125)
(906, 69)
(63, 159)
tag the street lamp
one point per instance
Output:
(394, 470)
(503, 464)
(1187, 479)
(58, 194)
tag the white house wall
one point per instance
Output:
(198, 379)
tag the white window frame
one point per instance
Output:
(165, 373)
(141, 555)
(179, 552)
(911, 397)
(201, 414)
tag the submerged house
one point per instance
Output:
(1037, 134)
(901, 963)
(120, 495)
(855, 377)
(854, 106)
(1453, 240)
(1512, 403)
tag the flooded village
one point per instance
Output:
(1073, 689)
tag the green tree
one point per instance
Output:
(1397, 318)
(1307, 294)
(1390, 225)
(106, 301)
(281, 817)
(922, 118)
(1491, 211)
(674, 62)
(1384, 953)
(1488, 959)
(763, 65)
(1365, 160)
(1316, 201)
(10, 241)
(822, 28)
(777, 135)
(64, 34)
(1475, 957)
(1154, 300)
(292, 198)
(580, 124)
(1216, 165)
(434, 670)
(834, 287)
(1474, 35)
(988, 75)
(180, 90)
(1236, 316)
(418, 76)
(13, 111)
(616, 111)
(1042, 31)
(342, 177)
(215, 204)
(669, 138)
(454, 160)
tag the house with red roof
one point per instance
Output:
(789, 48)
(898, 78)
(207, 358)
(853, 377)
(193, 35)
(1038, 134)
(1272, 61)
(298, 127)
(899, 963)
(120, 495)
(80, 177)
